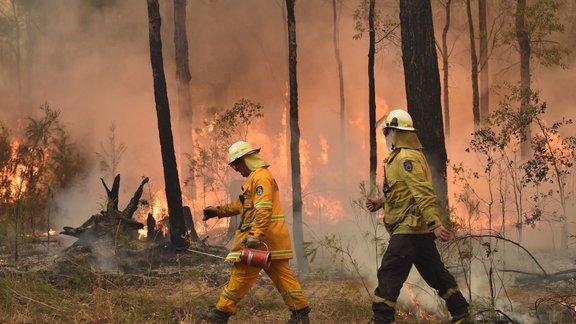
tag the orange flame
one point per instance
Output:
(16, 185)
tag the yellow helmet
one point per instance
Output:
(399, 119)
(240, 149)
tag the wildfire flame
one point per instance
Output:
(415, 307)
(158, 208)
(12, 176)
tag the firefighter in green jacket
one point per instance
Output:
(412, 218)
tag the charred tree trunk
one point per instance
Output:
(423, 88)
(111, 220)
(191, 234)
(172, 183)
(474, 64)
(185, 110)
(336, 40)
(445, 67)
(298, 230)
(128, 212)
(372, 98)
(484, 81)
(523, 38)
(112, 194)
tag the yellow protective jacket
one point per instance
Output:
(262, 216)
(409, 202)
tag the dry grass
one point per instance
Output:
(27, 297)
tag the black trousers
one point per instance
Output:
(405, 250)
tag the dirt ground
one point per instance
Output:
(159, 285)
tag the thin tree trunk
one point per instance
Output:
(173, 191)
(484, 81)
(372, 98)
(183, 78)
(474, 65)
(298, 230)
(17, 48)
(423, 89)
(525, 52)
(445, 67)
(342, 141)
(286, 100)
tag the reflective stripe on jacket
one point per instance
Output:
(410, 205)
(262, 216)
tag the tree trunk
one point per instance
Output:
(445, 67)
(372, 98)
(183, 78)
(423, 88)
(474, 64)
(173, 191)
(522, 35)
(484, 81)
(342, 141)
(17, 48)
(298, 230)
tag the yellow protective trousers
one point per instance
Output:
(243, 277)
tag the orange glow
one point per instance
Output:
(324, 151)
(16, 184)
(415, 306)
(158, 207)
(558, 149)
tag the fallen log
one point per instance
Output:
(111, 219)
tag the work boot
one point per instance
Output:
(300, 316)
(461, 319)
(213, 315)
(373, 320)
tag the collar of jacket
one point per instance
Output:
(250, 178)
(404, 139)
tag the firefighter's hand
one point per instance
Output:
(251, 242)
(442, 234)
(210, 212)
(373, 204)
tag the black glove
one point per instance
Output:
(210, 212)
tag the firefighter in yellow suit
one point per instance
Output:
(412, 219)
(262, 222)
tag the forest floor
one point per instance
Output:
(53, 286)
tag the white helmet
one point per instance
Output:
(240, 149)
(399, 119)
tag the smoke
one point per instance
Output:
(93, 64)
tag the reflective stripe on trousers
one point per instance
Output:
(242, 278)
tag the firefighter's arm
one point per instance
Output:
(263, 194)
(231, 209)
(422, 190)
(228, 210)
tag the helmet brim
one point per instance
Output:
(404, 128)
(256, 150)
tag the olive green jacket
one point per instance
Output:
(409, 201)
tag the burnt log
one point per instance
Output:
(107, 221)
(95, 225)
(133, 204)
(191, 234)
(112, 194)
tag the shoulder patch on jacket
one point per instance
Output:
(408, 166)
(259, 191)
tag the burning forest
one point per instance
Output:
(220, 161)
